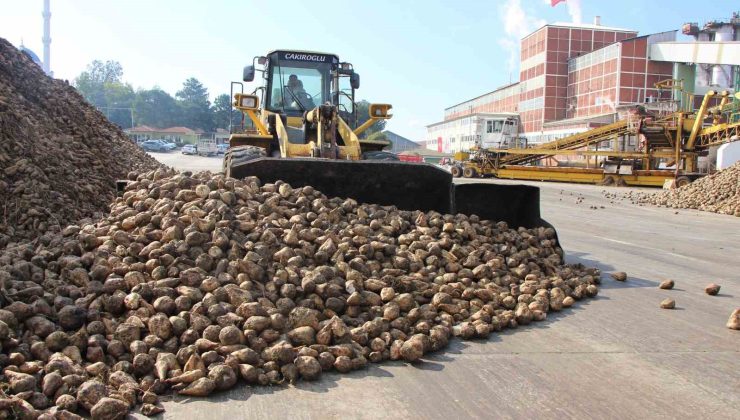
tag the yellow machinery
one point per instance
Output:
(300, 126)
(675, 140)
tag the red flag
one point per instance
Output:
(555, 2)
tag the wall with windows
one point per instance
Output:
(593, 82)
(545, 55)
(615, 75)
(638, 75)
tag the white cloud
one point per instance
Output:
(517, 24)
(574, 10)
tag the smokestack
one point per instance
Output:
(597, 20)
(47, 38)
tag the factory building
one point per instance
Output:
(575, 77)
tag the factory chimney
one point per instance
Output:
(47, 38)
(597, 20)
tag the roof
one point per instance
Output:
(171, 130)
(477, 114)
(480, 96)
(648, 35)
(580, 26)
(31, 54)
(398, 137)
(141, 129)
(177, 130)
(590, 26)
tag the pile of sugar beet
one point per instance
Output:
(718, 193)
(59, 156)
(194, 283)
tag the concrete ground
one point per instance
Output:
(177, 160)
(616, 356)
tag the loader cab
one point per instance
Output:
(298, 81)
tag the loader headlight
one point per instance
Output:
(248, 101)
(380, 110)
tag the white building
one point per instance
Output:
(487, 130)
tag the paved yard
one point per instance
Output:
(616, 356)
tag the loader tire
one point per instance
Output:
(240, 154)
(456, 171)
(469, 172)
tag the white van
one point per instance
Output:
(207, 147)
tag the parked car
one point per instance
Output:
(221, 148)
(169, 145)
(189, 149)
(154, 146)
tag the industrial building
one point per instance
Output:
(575, 77)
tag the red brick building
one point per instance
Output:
(573, 77)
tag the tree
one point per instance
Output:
(195, 106)
(363, 114)
(101, 85)
(119, 99)
(155, 108)
(222, 111)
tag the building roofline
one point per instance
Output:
(480, 96)
(580, 26)
(475, 114)
(644, 36)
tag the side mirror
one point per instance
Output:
(248, 74)
(354, 80)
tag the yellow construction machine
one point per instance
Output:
(300, 126)
(668, 147)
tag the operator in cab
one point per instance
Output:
(296, 94)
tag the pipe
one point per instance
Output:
(718, 110)
(700, 114)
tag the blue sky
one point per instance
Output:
(420, 56)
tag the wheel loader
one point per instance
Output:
(301, 126)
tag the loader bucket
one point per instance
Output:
(408, 186)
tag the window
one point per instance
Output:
(296, 85)
(494, 126)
